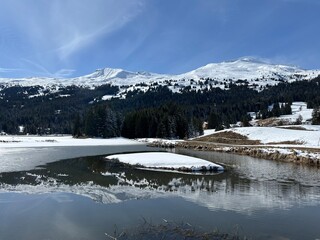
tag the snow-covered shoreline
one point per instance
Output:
(24, 141)
(294, 155)
(21, 153)
(298, 144)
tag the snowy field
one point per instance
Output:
(296, 140)
(207, 132)
(305, 135)
(164, 160)
(298, 109)
(10, 141)
(276, 135)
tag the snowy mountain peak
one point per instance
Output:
(251, 60)
(249, 68)
(117, 73)
(106, 72)
(253, 72)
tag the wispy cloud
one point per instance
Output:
(83, 23)
(37, 69)
(63, 73)
(66, 27)
(82, 39)
(10, 70)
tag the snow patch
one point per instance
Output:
(298, 109)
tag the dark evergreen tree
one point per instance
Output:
(276, 110)
(128, 126)
(76, 132)
(219, 127)
(298, 120)
(214, 120)
(112, 128)
(287, 109)
(246, 120)
(90, 124)
(161, 129)
(316, 116)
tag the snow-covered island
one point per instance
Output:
(167, 161)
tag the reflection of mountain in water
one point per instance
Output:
(111, 182)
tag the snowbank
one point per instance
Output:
(167, 161)
(159, 142)
(207, 132)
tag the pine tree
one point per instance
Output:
(287, 109)
(111, 124)
(128, 126)
(245, 120)
(276, 110)
(316, 116)
(214, 120)
(299, 120)
(182, 126)
(161, 130)
(100, 116)
(77, 126)
(90, 125)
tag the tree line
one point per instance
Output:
(167, 121)
(155, 113)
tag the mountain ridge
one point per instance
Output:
(252, 72)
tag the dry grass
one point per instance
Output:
(228, 137)
(287, 142)
(295, 128)
(272, 122)
(171, 230)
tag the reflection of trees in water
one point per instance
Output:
(93, 169)
(267, 177)
(171, 181)
(69, 172)
(98, 171)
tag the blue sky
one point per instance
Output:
(67, 38)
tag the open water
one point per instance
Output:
(65, 194)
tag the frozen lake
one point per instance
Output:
(46, 197)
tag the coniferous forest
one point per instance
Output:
(155, 113)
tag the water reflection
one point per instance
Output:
(22, 159)
(262, 170)
(250, 185)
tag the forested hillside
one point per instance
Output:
(157, 112)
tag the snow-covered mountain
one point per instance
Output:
(254, 73)
(250, 69)
(118, 77)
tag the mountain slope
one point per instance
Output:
(248, 68)
(251, 72)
